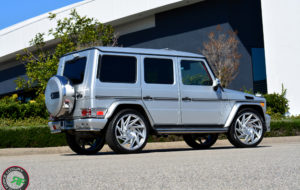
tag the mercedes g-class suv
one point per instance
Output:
(122, 95)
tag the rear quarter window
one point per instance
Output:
(74, 70)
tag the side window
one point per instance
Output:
(158, 71)
(117, 69)
(74, 70)
(194, 73)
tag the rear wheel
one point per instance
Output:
(85, 143)
(127, 132)
(200, 141)
(247, 129)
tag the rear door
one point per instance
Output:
(160, 89)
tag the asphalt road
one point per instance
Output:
(273, 165)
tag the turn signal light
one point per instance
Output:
(262, 104)
(100, 113)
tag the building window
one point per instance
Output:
(259, 70)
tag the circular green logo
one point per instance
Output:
(15, 178)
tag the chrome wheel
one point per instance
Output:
(248, 128)
(130, 132)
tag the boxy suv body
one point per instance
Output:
(121, 95)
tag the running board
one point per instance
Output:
(180, 130)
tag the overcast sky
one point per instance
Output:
(15, 11)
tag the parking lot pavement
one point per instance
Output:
(275, 164)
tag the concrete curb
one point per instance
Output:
(150, 146)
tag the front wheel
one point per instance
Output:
(87, 144)
(247, 129)
(200, 141)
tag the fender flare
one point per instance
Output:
(236, 108)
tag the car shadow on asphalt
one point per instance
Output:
(169, 150)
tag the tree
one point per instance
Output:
(222, 53)
(72, 33)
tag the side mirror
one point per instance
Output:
(217, 84)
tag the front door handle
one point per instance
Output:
(186, 99)
(147, 98)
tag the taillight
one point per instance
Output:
(86, 112)
(93, 112)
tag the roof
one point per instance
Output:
(166, 52)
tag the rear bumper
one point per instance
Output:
(89, 124)
(268, 122)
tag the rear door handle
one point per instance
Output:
(186, 99)
(147, 98)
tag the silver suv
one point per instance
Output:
(122, 95)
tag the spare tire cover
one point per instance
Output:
(58, 89)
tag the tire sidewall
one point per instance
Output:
(192, 143)
(73, 144)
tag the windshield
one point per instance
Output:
(74, 70)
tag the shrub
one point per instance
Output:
(277, 104)
(11, 108)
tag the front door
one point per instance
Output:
(160, 89)
(200, 104)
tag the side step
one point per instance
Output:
(183, 130)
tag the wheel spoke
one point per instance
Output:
(134, 121)
(257, 126)
(127, 121)
(139, 133)
(253, 121)
(257, 134)
(137, 140)
(247, 139)
(138, 127)
(132, 141)
(248, 119)
(125, 142)
(252, 137)
(239, 122)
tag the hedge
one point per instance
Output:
(36, 136)
(40, 136)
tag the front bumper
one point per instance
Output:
(90, 124)
(268, 121)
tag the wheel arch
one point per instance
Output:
(117, 106)
(239, 106)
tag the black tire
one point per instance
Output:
(78, 143)
(200, 141)
(232, 134)
(112, 132)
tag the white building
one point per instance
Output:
(268, 31)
